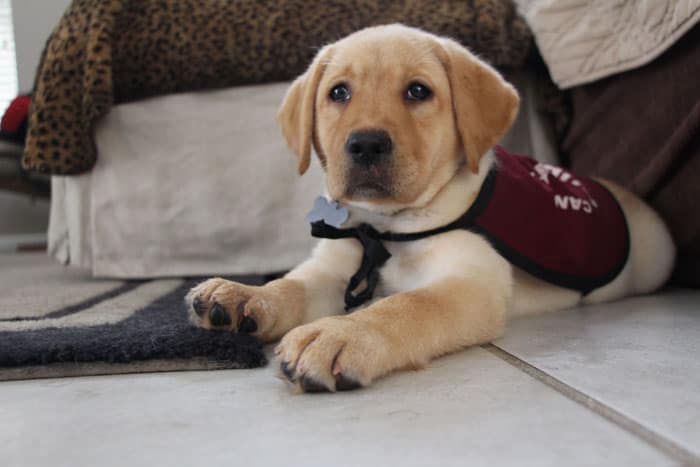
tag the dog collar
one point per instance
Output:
(325, 219)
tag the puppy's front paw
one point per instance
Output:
(225, 305)
(332, 354)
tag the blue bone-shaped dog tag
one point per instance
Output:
(328, 212)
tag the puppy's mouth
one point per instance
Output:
(369, 183)
(367, 191)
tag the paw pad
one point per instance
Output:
(218, 315)
(247, 325)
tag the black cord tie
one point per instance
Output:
(374, 255)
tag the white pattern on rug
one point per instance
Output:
(107, 312)
(32, 285)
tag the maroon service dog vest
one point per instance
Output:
(562, 228)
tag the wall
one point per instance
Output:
(33, 22)
(20, 214)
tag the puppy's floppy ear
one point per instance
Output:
(484, 104)
(296, 114)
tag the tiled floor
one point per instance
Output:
(639, 358)
(615, 385)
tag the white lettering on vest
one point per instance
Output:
(562, 202)
(543, 171)
(566, 203)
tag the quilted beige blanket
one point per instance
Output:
(585, 40)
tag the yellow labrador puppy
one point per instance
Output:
(404, 124)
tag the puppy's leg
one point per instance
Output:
(313, 289)
(405, 330)
(532, 295)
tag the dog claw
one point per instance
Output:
(198, 306)
(311, 385)
(343, 383)
(287, 370)
(218, 315)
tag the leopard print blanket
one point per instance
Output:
(104, 52)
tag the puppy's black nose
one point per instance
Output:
(368, 147)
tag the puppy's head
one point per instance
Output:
(393, 112)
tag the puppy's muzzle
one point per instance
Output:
(368, 147)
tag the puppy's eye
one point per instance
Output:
(339, 93)
(418, 92)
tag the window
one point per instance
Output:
(8, 64)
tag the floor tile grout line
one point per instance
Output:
(667, 446)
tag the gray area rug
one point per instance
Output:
(60, 322)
